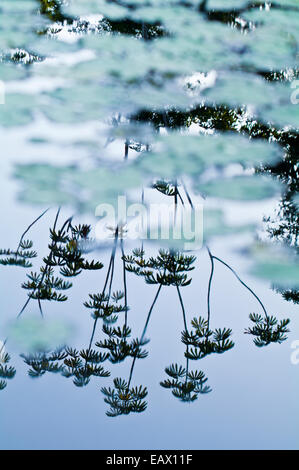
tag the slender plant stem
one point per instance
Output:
(110, 269)
(209, 287)
(103, 292)
(144, 331)
(56, 218)
(150, 312)
(125, 281)
(175, 201)
(203, 6)
(126, 149)
(188, 196)
(165, 119)
(24, 307)
(3, 345)
(186, 328)
(142, 202)
(68, 221)
(183, 308)
(181, 199)
(111, 276)
(40, 307)
(28, 228)
(144, 31)
(243, 283)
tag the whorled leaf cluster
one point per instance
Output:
(67, 248)
(203, 341)
(105, 306)
(118, 345)
(123, 399)
(69, 362)
(185, 385)
(267, 329)
(6, 372)
(20, 257)
(169, 268)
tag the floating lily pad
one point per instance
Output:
(276, 264)
(242, 188)
(33, 334)
(181, 154)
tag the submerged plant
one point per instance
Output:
(6, 372)
(198, 39)
(80, 365)
(43, 362)
(168, 188)
(118, 346)
(124, 399)
(185, 385)
(267, 330)
(106, 307)
(169, 268)
(23, 255)
(67, 247)
(83, 365)
(204, 341)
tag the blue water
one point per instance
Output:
(254, 401)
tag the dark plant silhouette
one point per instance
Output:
(267, 330)
(6, 372)
(43, 362)
(169, 268)
(264, 325)
(169, 188)
(107, 306)
(69, 243)
(118, 346)
(20, 257)
(23, 255)
(204, 341)
(185, 385)
(288, 294)
(80, 365)
(124, 399)
(284, 226)
(67, 246)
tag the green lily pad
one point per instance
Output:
(242, 188)
(276, 264)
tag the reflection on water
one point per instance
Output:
(68, 247)
(187, 106)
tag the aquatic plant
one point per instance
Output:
(80, 365)
(6, 372)
(66, 249)
(184, 385)
(124, 400)
(23, 254)
(267, 330)
(140, 80)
